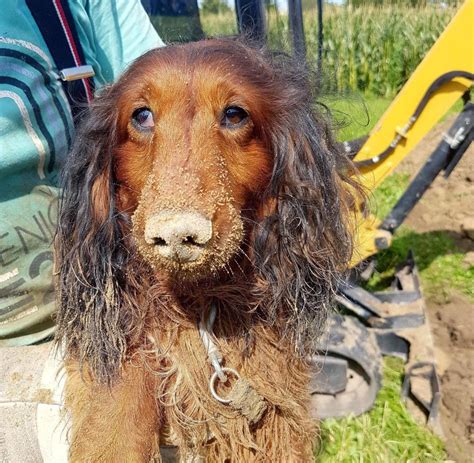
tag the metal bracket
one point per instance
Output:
(347, 369)
(76, 73)
(397, 319)
(417, 377)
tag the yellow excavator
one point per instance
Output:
(441, 79)
(393, 322)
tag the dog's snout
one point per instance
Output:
(180, 236)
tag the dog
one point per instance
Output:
(204, 226)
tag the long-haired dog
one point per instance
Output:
(203, 229)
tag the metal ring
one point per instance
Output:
(212, 384)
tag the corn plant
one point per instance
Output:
(373, 49)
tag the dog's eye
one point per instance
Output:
(143, 118)
(234, 117)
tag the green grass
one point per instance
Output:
(386, 434)
(355, 115)
(215, 25)
(388, 193)
(439, 261)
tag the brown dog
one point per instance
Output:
(202, 185)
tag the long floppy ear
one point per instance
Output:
(97, 310)
(305, 245)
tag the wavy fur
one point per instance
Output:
(120, 310)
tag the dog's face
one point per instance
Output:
(191, 158)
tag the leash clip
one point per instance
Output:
(243, 398)
(212, 384)
(215, 357)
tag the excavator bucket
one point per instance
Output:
(347, 372)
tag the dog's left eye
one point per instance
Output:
(143, 118)
(234, 117)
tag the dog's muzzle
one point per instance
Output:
(178, 236)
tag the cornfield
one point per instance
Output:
(369, 49)
(375, 50)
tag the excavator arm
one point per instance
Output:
(441, 79)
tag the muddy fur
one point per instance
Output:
(279, 195)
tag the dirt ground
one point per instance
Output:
(449, 206)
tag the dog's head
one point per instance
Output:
(193, 156)
(203, 157)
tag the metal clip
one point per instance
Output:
(76, 73)
(455, 140)
(205, 331)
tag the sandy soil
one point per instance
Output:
(449, 206)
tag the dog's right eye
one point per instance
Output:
(143, 119)
(234, 117)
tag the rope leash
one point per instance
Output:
(242, 397)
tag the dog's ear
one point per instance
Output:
(94, 285)
(305, 243)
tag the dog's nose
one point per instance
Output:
(180, 236)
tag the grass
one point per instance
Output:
(355, 115)
(388, 193)
(439, 261)
(386, 434)
(215, 25)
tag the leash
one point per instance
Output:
(215, 357)
(242, 397)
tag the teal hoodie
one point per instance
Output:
(35, 134)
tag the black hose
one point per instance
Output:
(441, 80)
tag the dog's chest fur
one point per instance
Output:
(196, 421)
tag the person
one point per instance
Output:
(37, 116)
(36, 130)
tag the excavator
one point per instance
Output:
(348, 372)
